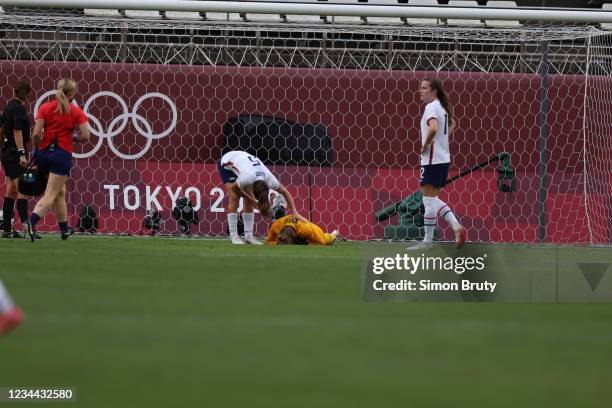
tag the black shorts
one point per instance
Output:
(10, 163)
(434, 174)
(57, 161)
(226, 175)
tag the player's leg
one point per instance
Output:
(61, 213)
(447, 214)
(229, 181)
(22, 207)
(429, 189)
(232, 213)
(443, 210)
(10, 314)
(430, 193)
(10, 196)
(55, 185)
(248, 217)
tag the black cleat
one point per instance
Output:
(16, 234)
(66, 235)
(29, 231)
(6, 234)
(37, 235)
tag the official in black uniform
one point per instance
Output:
(15, 137)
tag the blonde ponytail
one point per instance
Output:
(64, 87)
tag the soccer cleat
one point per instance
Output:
(16, 234)
(66, 235)
(460, 236)
(252, 241)
(29, 231)
(420, 245)
(237, 240)
(337, 236)
(10, 320)
(6, 234)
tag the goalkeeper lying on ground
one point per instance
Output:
(288, 230)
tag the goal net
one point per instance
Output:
(333, 110)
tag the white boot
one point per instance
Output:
(252, 241)
(236, 240)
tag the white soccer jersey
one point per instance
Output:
(438, 151)
(248, 169)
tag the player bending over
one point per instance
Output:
(244, 175)
(289, 230)
(437, 124)
(10, 314)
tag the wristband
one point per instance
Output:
(21, 152)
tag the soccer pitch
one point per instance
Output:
(159, 322)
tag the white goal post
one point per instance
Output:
(365, 10)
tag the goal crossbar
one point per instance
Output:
(364, 10)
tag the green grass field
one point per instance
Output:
(191, 323)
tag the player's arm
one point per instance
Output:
(84, 133)
(1, 127)
(290, 203)
(40, 124)
(246, 194)
(20, 118)
(314, 234)
(432, 128)
(83, 127)
(18, 136)
(453, 126)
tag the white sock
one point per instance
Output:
(6, 303)
(430, 218)
(232, 221)
(444, 211)
(249, 221)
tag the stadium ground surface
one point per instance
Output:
(193, 323)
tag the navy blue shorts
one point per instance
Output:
(57, 161)
(227, 176)
(434, 174)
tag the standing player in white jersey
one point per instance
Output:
(437, 124)
(244, 175)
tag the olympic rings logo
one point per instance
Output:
(118, 124)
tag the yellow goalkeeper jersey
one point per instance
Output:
(306, 230)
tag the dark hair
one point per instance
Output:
(436, 85)
(286, 236)
(261, 193)
(22, 90)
